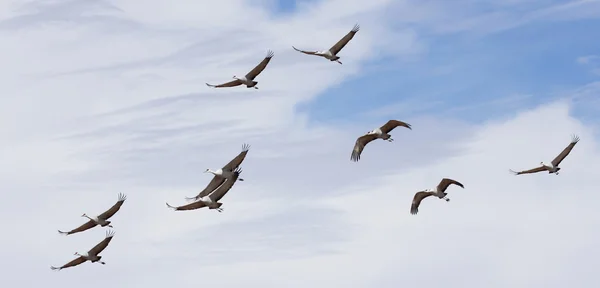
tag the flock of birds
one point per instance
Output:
(225, 177)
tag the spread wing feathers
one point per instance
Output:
(390, 125)
(534, 170)
(359, 146)
(566, 151)
(447, 182)
(214, 184)
(87, 225)
(223, 189)
(340, 44)
(191, 206)
(233, 83)
(260, 67)
(419, 196)
(110, 212)
(73, 262)
(102, 245)
(305, 52)
(235, 162)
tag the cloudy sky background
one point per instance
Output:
(101, 97)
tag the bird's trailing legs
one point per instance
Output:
(219, 209)
(390, 140)
(446, 198)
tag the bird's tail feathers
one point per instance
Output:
(190, 199)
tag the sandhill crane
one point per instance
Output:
(222, 174)
(211, 201)
(331, 54)
(438, 191)
(553, 167)
(91, 255)
(100, 219)
(381, 133)
(248, 80)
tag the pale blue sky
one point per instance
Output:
(513, 69)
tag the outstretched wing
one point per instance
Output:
(260, 67)
(214, 184)
(566, 151)
(87, 225)
(235, 162)
(305, 52)
(191, 206)
(534, 170)
(359, 146)
(340, 44)
(110, 212)
(419, 196)
(447, 182)
(233, 83)
(102, 245)
(223, 189)
(390, 125)
(74, 262)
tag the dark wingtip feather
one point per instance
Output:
(63, 233)
(245, 147)
(270, 54)
(122, 197)
(110, 233)
(172, 207)
(574, 139)
(513, 172)
(356, 28)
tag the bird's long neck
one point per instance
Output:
(86, 216)
(211, 172)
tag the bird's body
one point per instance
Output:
(212, 200)
(331, 53)
(101, 219)
(221, 174)
(439, 191)
(247, 79)
(91, 255)
(378, 133)
(552, 168)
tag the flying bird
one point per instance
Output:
(381, 133)
(439, 191)
(247, 80)
(331, 54)
(553, 167)
(222, 174)
(91, 255)
(211, 201)
(100, 219)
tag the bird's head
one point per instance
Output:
(83, 215)
(207, 170)
(542, 163)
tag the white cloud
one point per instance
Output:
(108, 97)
